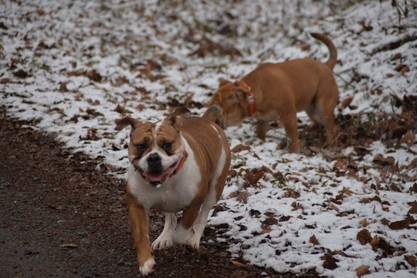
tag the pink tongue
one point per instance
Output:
(155, 177)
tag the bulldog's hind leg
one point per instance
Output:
(215, 190)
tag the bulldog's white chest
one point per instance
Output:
(174, 194)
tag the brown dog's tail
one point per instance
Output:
(215, 114)
(331, 62)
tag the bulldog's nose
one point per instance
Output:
(154, 160)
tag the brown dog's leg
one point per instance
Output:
(289, 121)
(261, 129)
(140, 226)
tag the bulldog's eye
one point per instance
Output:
(142, 147)
(166, 146)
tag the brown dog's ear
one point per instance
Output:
(172, 120)
(223, 82)
(182, 111)
(122, 123)
(215, 114)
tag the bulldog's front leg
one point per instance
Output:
(139, 221)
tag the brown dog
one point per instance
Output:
(178, 164)
(278, 91)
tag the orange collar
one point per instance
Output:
(180, 164)
(251, 100)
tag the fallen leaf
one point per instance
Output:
(363, 222)
(411, 260)
(384, 161)
(69, 245)
(413, 209)
(381, 243)
(403, 68)
(291, 193)
(238, 264)
(364, 237)
(314, 240)
(362, 270)
(346, 101)
(21, 74)
(239, 148)
(5, 80)
(402, 224)
(409, 138)
(329, 261)
(121, 110)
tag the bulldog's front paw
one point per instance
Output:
(148, 267)
(162, 242)
(194, 243)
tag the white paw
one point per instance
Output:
(194, 242)
(148, 267)
(162, 242)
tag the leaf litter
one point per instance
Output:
(73, 68)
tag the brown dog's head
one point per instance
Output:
(232, 98)
(155, 149)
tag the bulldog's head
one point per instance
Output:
(155, 149)
(232, 98)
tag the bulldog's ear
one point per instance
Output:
(122, 123)
(223, 82)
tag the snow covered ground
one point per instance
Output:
(74, 67)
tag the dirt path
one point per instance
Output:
(61, 217)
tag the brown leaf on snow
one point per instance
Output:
(346, 213)
(346, 101)
(329, 261)
(362, 270)
(413, 209)
(364, 237)
(119, 81)
(411, 260)
(291, 193)
(267, 223)
(121, 110)
(409, 138)
(363, 222)
(314, 240)
(376, 199)
(63, 87)
(379, 159)
(91, 74)
(239, 148)
(5, 80)
(241, 196)
(21, 74)
(402, 68)
(402, 224)
(381, 243)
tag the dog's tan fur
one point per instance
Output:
(281, 90)
(194, 189)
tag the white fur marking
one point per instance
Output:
(176, 193)
(148, 267)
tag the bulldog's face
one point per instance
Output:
(154, 149)
(231, 98)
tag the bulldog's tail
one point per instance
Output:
(331, 62)
(215, 114)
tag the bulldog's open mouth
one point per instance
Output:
(156, 178)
